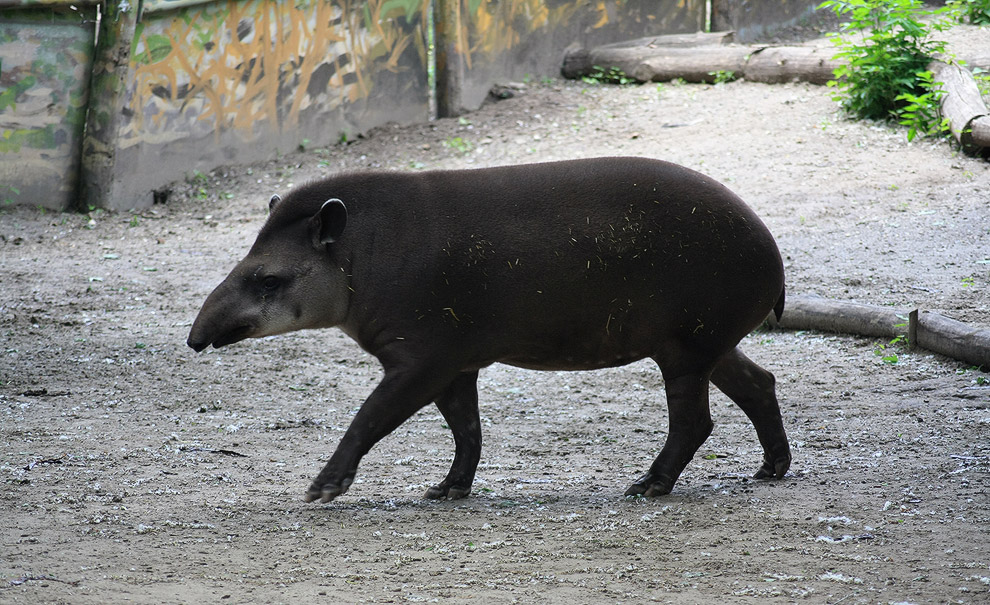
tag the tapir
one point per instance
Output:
(571, 265)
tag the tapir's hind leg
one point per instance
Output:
(459, 406)
(690, 424)
(752, 388)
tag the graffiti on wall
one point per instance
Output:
(491, 27)
(484, 41)
(255, 67)
(184, 84)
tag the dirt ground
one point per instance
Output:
(135, 470)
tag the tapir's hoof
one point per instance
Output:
(442, 492)
(326, 493)
(650, 486)
(772, 469)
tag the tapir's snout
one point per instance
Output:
(199, 336)
(220, 322)
(208, 331)
(196, 345)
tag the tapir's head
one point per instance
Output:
(291, 279)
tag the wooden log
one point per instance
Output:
(691, 64)
(627, 55)
(952, 338)
(451, 64)
(963, 105)
(645, 61)
(677, 40)
(816, 313)
(924, 329)
(776, 64)
(106, 121)
(980, 131)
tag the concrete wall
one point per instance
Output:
(209, 84)
(751, 19)
(480, 42)
(45, 59)
(176, 86)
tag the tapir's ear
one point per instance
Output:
(274, 202)
(329, 222)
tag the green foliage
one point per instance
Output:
(459, 144)
(722, 76)
(976, 12)
(886, 46)
(884, 352)
(982, 78)
(612, 75)
(920, 112)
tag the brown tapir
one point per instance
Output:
(572, 265)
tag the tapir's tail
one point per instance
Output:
(778, 308)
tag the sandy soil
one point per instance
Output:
(135, 470)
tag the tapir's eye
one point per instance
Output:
(271, 283)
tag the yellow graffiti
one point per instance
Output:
(496, 26)
(255, 67)
(249, 66)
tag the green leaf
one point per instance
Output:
(157, 48)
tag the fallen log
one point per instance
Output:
(627, 55)
(951, 338)
(646, 61)
(825, 315)
(691, 64)
(923, 329)
(778, 64)
(699, 58)
(962, 105)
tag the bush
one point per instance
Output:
(886, 47)
(976, 12)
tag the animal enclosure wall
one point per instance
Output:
(481, 42)
(171, 87)
(224, 82)
(45, 59)
(750, 19)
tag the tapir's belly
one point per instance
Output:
(571, 362)
(582, 346)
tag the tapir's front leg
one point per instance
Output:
(402, 392)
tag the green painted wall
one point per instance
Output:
(45, 59)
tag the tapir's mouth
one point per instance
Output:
(236, 335)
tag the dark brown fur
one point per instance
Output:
(561, 266)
